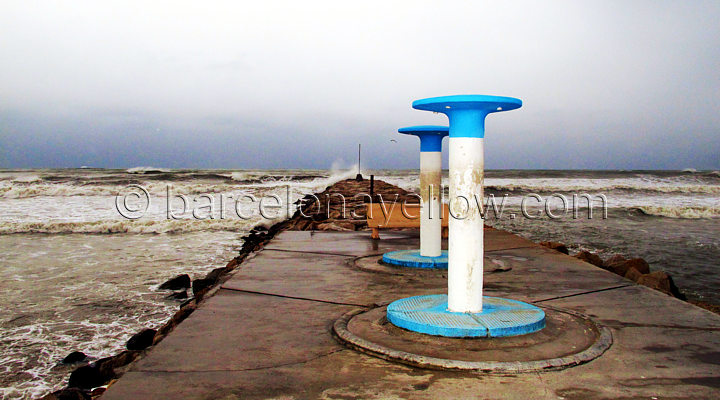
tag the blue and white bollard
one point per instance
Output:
(461, 313)
(430, 254)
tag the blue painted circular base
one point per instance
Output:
(413, 259)
(500, 317)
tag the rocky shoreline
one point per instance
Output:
(337, 208)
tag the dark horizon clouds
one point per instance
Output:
(605, 84)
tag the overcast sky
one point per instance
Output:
(605, 84)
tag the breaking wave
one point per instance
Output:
(691, 212)
(600, 186)
(130, 226)
(157, 185)
(146, 170)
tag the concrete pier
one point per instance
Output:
(267, 332)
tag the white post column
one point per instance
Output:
(431, 137)
(431, 211)
(466, 114)
(465, 242)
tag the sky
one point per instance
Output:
(605, 84)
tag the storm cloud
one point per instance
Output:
(605, 84)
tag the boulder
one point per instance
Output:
(86, 377)
(621, 267)
(125, 358)
(639, 264)
(335, 213)
(633, 274)
(215, 274)
(303, 224)
(177, 283)
(660, 280)
(615, 258)
(335, 226)
(141, 340)
(106, 368)
(199, 285)
(75, 356)
(589, 257)
(67, 394)
(232, 264)
(555, 246)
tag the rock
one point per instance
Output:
(616, 258)
(639, 264)
(86, 377)
(75, 356)
(177, 295)
(177, 283)
(633, 274)
(106, 368)
(303, 224)
(67, 394)
(124, 358)
(232, 264)
(141, 340)
(556, 246)
(199, 285)
(621, 267)
(215, 274)
(335, 226)
(660, 280)
(589, 257)
(335, 214)
(708, 306)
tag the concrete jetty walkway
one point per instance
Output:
(266, 333)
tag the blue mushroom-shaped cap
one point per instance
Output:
(431, 136)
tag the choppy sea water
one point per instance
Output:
(77, 275)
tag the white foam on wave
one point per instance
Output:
(26, 179)
(145, 170)
(129, 226)
(36, 188)
(606, 185)
(689, 212)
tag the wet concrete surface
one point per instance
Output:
(267, 332)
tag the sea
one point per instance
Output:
(83, 251)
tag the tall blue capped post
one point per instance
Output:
(431, 254)
(466, 114)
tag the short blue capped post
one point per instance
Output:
(461, 312)
(430, 254)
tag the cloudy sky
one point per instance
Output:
(605, 84)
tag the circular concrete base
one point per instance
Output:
(500, 317)
(374, 264)
(413, 259)
(568, 339)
